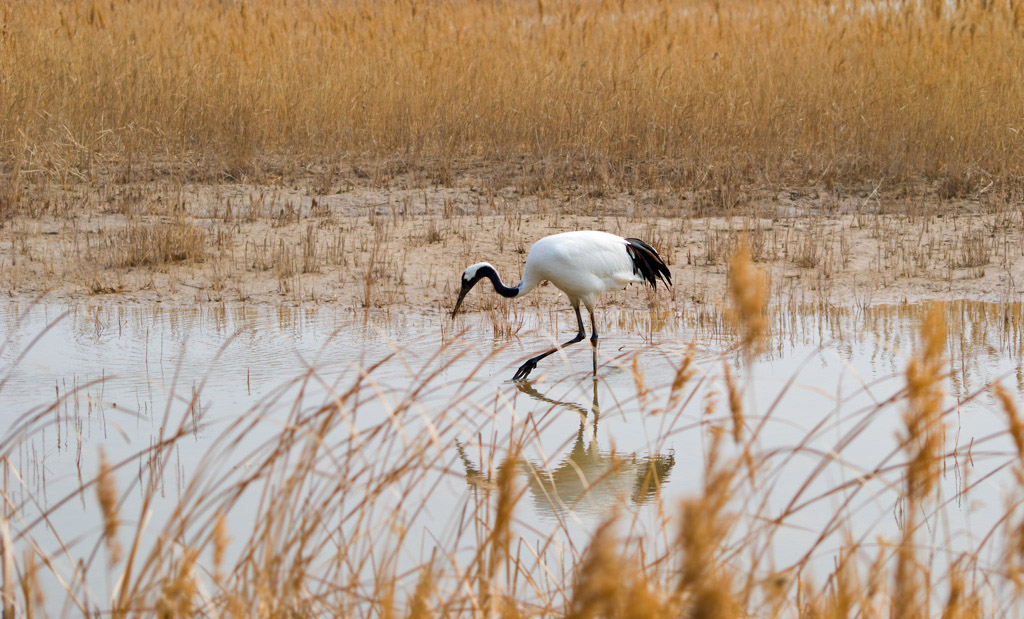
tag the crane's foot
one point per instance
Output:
(525, 369)
(595, 361)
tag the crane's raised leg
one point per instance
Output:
(531, 363)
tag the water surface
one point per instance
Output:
(427, 405)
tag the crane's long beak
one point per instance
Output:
(462, 295)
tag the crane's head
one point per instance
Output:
(470, 277)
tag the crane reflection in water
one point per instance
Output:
(587, 480)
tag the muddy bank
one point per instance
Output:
(404, 246)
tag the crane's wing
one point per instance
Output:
(647, 263)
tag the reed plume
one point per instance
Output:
(735, 404)
(1013, 420)
(220, 543)
(178, 590)
(683, 374)
(609, 584)
(106, 493)
(599, 579)
(31, 592)
(924, 431)
(705, 585)
(922, 441)
(500, 537)
(1013, 557)
(643, 394)
(420, 606)
(748, 293)
(963, 601)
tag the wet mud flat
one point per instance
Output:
(402, 244)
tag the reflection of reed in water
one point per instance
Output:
(587, 479)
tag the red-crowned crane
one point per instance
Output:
(584, 265)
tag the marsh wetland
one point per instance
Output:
(231, 236)
(369, 447)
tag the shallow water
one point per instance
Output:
(438, 416)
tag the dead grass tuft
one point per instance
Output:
(974, 250)
(157, 244)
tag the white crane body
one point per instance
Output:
(584, 265)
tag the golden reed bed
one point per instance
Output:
(643, 92)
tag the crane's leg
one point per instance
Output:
(593, 337)
(531, 363)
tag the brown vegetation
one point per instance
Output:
(700, 95)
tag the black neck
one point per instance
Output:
(499, 287)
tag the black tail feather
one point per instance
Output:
(647, 263)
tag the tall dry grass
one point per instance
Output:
(646, 92)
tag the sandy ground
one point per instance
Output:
(405, 246)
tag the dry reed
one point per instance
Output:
(1013, 420)
(923, 442)
(608, 584)
(705, 584)
(735, 404)
(220, 543)
(923, 418)
(707, 94)
(748, 293)
(157, 244)
(106, 494)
